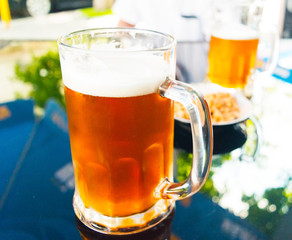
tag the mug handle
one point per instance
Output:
(202, 135)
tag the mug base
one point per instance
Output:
(122, 225)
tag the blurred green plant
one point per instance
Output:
(91, 12)
(184, 164)
(266, 211)
(43, 74)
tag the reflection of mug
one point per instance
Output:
(159, 232)
(235, 37)
(118, 92)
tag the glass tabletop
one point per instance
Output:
(243, 198)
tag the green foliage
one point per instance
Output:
(91, 12)
(264, 212)
(266, 217)
(43, 74)
(184, 165)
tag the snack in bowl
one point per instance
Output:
(223, 107)
(229, 110)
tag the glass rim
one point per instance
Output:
(61, 40)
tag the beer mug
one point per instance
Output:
(119, 93)
(239, 37)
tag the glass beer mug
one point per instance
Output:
(238, 37)
(119, 93)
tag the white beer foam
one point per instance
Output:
(120, 75)
(236, 32)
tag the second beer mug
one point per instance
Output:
(119, 92)
(237, 36)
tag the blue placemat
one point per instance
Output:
(283, 69)
(38, 201)
(16, 125)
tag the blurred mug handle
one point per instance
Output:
(269, 38)
(268, 48)
(256, 135)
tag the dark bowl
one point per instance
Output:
(228, 136)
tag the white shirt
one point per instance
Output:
(186, 20)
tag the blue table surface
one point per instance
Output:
(37, 182)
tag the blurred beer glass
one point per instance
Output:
(119, 92)
(239, 39)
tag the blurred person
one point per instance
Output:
(188, 21)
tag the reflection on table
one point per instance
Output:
(160, 231)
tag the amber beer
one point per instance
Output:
(121, 149)
(232, 57)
